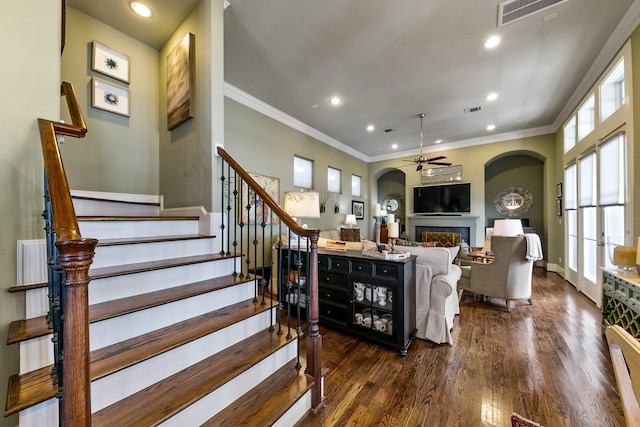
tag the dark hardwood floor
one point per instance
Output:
(548, 362)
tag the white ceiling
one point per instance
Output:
(390, 60)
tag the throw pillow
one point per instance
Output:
(350, 234)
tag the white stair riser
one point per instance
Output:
(44, 414)
(36, 353)
(296, 412)
(116, 287)
(214, 402)
(125, 229)
(142, 252)
(37, 302)
(119, 385)
(107, 208)
(111, 331)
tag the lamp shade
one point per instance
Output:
(376, 209)
(393, 229)
(351, 220)
(507, 227)
(302, 204)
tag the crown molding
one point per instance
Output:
(256, 104)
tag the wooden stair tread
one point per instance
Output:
(26, 329)
(129, 352)
(137, 218)
(264, 404)
(36, 385)
(98, 273)
(29, 389)
(114, 308)
(120, 270)
(161, 400)
(152, 239)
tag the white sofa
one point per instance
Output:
(436, 293)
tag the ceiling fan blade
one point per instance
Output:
(440, 163)
(437, 158)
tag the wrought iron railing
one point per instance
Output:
(253, 224)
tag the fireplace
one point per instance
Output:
(464, 231)
(464, 224)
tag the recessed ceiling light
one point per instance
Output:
(492, 96)
(491, 127)
(141, 9)
(492, 42)
(394, 146)
(438, 141)
(371, 128)
(335, 100)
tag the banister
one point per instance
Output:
(75, 256)
(313, 337)
(264, 196)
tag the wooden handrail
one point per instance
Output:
(313, 338)
(76, 255)
(264, 196)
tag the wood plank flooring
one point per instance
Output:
(548, 362)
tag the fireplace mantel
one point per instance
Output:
(443, 221)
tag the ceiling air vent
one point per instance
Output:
(389, 130)
(512, 10)
(472, 110)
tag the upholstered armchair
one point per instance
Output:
(436, 293)
(507, 277)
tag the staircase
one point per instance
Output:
(177, 335)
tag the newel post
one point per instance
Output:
(314, 339)
(75, 258)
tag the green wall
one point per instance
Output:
(474, 160)
(187, 164)
(263, 145)
(118, 154)
(31, 76)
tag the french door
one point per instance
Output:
(596, 213)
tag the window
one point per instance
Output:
(302, 172)
(569, 132)
(572, 216)
(333, 180)
(355, 185)
(586, 117)
(587, 180)
(612, 91)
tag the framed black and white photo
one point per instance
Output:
(357, 208)
(110, 62)
(109, 97)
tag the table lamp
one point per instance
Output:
(302, 204)
(350, 221)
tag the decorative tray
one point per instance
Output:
(394, 256)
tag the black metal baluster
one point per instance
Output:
(222, 226)
(240, 222)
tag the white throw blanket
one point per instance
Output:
(534, 247)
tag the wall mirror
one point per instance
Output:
(394, 205)
(512, 202)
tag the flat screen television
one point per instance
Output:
(442, 199)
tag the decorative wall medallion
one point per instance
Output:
(513, 202)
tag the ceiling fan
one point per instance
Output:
(422, 160)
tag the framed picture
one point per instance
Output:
(357, 208)
(559, 191)
(559, 207)
(109, 97)
(110, 62)
(258, 211)
(180, 82)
